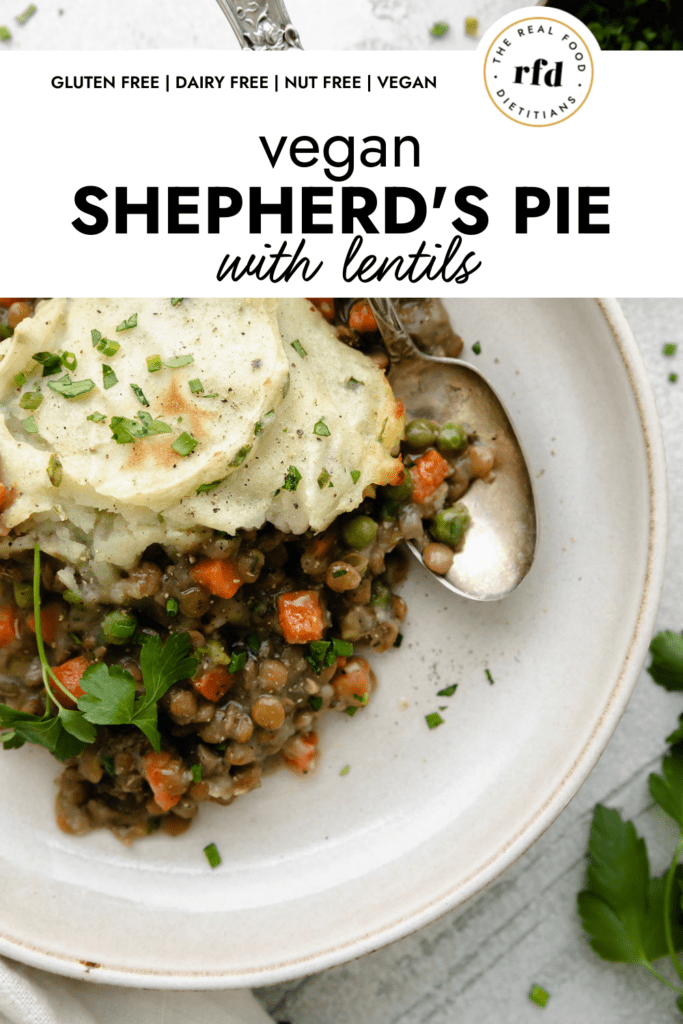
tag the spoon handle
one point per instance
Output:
(261, 24)
(398, 342)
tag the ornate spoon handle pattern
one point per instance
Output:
(261, 24)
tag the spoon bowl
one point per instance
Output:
(500, 544)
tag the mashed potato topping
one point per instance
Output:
(212, 413)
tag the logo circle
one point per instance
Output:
(538, 71)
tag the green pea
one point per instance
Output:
(420, 433)
(401, 492)
(381, 595)
(452, 438)
(359, 531)
(23, 594)
(449, 525)
(118, 626)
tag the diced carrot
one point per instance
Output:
(214, 683)
(161, 771)
(361, 318)
(6, 303)
(301, 617)
(353, 684)
(49, 620)
(400, 409)
(299, 752)
(219, 576)
(8, 625)
(3, 495)
(325, 306)
(429, 471)
(69, 674)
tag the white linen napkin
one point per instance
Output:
(29, 996)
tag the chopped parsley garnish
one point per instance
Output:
(262, 424)
(316, 703)
(292, 478)
(28, 13)
(670, 348)
(323, 653)
(50, 362)
(97, 417)
(352, 384)
(107, 347)
(126, 431)
(31, 400)
(339, 572)
(30, 425)
(438, 29)
(5, 34)
(253, 643)
(434, 720)
(185, 444)
(153, 363)
(203, 488)
(448, 691)
(299, 349)
(539, 995)
(212, 855)
(139, 394)
(171, 606)
(237, 662)
(673, 377)
(241, 455)
(355, 475)
(19, 380)
(345, 770)
(96, 337)
(126, 325)
(195, 386)
(489, 676)
(54, 471)
(71, 388)
(196, 770)
(109, 378)
(176, 302)
(362, 698)
(350, 711)
(176, 362)
(69, 360)
(321, 429)
(476, 348)
(323, 478)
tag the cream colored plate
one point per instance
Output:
(319, 870)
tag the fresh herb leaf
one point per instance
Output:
(176, 302)
(350, 711)
(203, 488)
(292, 478)
(177, 362)
(195, 386)
(316, 703)
(539, 995)
(345, 770)
(253, 643)
(19, 380)
(299, 349)
(107, 347)
(237, 662)
(96, 417)
(153, 363)
(185, 444)
(69, 360)
(438, 29)
(476, 348)
(54, 471)
(321, 429)
(323, 478)
(153, 426)
(434, 719)
(352, 384)
(489, 676)
(31, 400)
(139, 394)
(241, 455)
(126, 325)
(30, 425)
(109, 378)
(50, 362)
(667, 789)
(212, 855)
(666, 667)
(448, 691)
(670, 348)
(196, 770)
(355, 475)
(96, 337)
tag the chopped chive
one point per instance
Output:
(196, 770)
(212, 855)
(471, 27)
(299, 349)
(345, 770)
(434, 720)
(398, 641)
(352, 384)
(253, 643)
(185, 444)
(241, 455)
(342, 648)
(323, 478)
(292, 478)
(31, 400)
(153, 363)
(673, 377)
(96, 337)
(109, 378)
(176, 302)
(71, 388)
(670, 348)
(96, 417)
(5, 33)
(338, 573)
(321, 429)
(30, 425)
(489, 676)
(69, 360)
(171, 606)
(237, 662)
(362, 698)
(204, 488)
(316, 703)
(72, 597)
(126, 325)
(285, 386)
(355, 475)
(350, 711)
(139, 394)
(54, 471)
(19, 380)
(438, 29)
(196, 385)
(448, 691)
(50, 362)
(539, 995)
(107, 347)
(177, 362)
(476, 348)
(25, 15)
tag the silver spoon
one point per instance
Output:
(500, 544)
(261, 24)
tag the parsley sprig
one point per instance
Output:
(632, 917)
(109, 697)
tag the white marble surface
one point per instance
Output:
(477, 964)
(199, 24)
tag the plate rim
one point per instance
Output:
(529, 832)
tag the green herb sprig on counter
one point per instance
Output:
(109, 696)
(630, 916)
